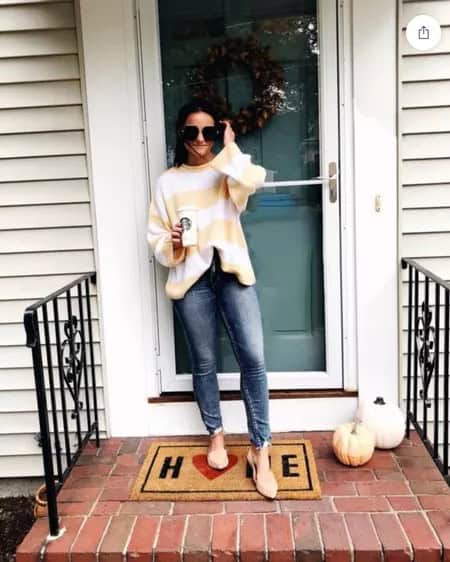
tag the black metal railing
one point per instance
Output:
(59, 330)
(428, 361)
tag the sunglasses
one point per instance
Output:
(210, 133)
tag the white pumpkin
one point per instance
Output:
(353, 444)
(386, 421)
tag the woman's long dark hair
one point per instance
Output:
(195, 105)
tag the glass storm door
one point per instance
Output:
(291, 223)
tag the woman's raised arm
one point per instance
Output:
(243, 177)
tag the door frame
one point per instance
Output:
(152, 96)
(119, 195)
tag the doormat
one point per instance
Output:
(178, 471)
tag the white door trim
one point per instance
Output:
(347, 211)
(152, 95)
(119, 204)
(375, 42)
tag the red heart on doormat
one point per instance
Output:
(201, 464)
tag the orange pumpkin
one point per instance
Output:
(353, 443)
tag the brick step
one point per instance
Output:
(248, 537)
(394, 508)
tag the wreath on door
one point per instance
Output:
(267, 78)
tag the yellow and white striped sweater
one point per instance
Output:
(220, 190)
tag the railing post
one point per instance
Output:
(408, 379)
(33, 341)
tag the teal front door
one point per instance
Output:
(292, 223)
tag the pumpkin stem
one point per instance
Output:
(379, 400)
(354, 427)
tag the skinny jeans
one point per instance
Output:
(219, 292)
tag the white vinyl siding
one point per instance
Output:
(46, 230)
(424, 145)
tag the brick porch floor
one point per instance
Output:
(394, 508)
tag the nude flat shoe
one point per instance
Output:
(217, 459)
(267, 487)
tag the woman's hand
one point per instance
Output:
(228, 134)
(176, 236)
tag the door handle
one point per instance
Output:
(332, 181)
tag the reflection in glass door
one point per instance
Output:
(285, 220)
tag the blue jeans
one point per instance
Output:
(238, 304)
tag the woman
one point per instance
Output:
(215, 276)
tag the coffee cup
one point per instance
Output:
(188, 218)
